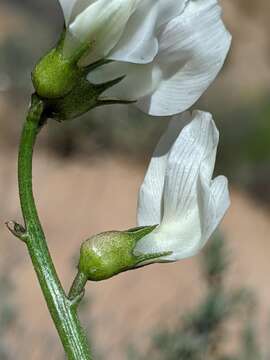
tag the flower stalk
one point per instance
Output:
(62, 309)
(77, 287)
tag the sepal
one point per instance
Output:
(64, 88)
(110, 253)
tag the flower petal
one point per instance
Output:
(214, 201)
(168, 9)
(67, 6)
(101, 25)
(193, 47)
(139, 79)
(150, 196)
(193, 203)
(139, 43)
(196, 145)
(72, 8)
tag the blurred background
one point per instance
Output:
(87, 174)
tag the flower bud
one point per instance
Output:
(54, 76)
(107, 254)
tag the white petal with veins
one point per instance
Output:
(178, 190)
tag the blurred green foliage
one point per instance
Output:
(244, 152)
(203, 332)
(7, 315)
(120, 129)
(38, 29)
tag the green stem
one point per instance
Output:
(63, 310)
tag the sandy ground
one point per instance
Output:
(77, 199)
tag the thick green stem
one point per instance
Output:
(62, 309)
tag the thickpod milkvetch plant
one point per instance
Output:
(160, 55)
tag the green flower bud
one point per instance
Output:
(54, 76)
(111, 253)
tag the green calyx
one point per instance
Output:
(111, 253)
(54, 76)
(63, 86)
(78, 101)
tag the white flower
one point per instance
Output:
(178, 191)
(170, 51)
